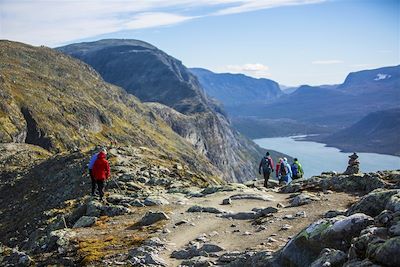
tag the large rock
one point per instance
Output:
(343, 183)
(240, 215)
(330, 258)
(153, 217)
(195, 250)
(155, 201)
(96, 209)
(373, 203)
(394, 203)
(85, 221)
(302, 199)
(252, 196)
(335, 233)
(388, 253)
(205, 209)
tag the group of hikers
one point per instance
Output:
(284, 172)
(99, 170)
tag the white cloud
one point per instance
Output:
(256, 70)
(154, 19)
(252, 5)
(327, 62)
(54, 22)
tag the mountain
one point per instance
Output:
(334, 106)
(153, 76)
(60, 104)
(377, 132)
(237, 89)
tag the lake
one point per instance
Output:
(316, 157)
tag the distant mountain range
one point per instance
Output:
(378, 132)
(307, 109)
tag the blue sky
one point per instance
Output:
(290, 41)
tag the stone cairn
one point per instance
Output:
(354, 165)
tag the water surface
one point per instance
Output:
(316, 157)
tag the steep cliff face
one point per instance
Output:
(154, 76)
(56, 102)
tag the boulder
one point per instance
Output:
(330, 258)
(197, 262)
(394, 203)
(302, 199)
(17, 258)
(153, 217)
(335, 233)
(373, 203)
(118, 198)
(195, 250)
(205, 209)
(155, 201)
(240, 215)
(227, 201)
(85, 221)
(387, 253)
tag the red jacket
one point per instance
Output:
(101, 168)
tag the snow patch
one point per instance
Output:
(381, 76)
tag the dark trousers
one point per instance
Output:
(100, 187)
(266, 178)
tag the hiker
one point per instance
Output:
(297, 169)
(285, 171)
(267, 166)
(278, 173)
(90, 167)
(101, 172)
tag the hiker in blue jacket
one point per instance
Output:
(285, 171)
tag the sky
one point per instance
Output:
(293, 42)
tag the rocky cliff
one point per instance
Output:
(153, 76)
(58, 103)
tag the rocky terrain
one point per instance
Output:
(154, 76)
(158, 214)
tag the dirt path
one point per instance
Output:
(115, 236)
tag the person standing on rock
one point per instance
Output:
(90, 167)
(267, 166)
(297, 169)
(101, 172)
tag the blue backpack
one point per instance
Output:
(295, 169)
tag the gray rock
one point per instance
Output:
(373, 203)
(145, 256)
(137, 203)
(114, 210)
(252, 196)
(394, 230)
(118, 198)
(205, 209)
(330, 257)
(197, 262)
(240, 215)
(155, 201)
(266, 211)
(153, 217)
(195, 250)
(227, 201)
(17, 258)
(387, 253)
(335, 233)
(394, 203)
(302, 199)
(85, 221)
(334, 213)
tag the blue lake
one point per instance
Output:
(316, 157)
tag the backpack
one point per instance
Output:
(266, 165)
(295, 170)
(283, 169)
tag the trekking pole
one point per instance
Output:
(119, 188)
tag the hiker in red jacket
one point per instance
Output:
(101, 172)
